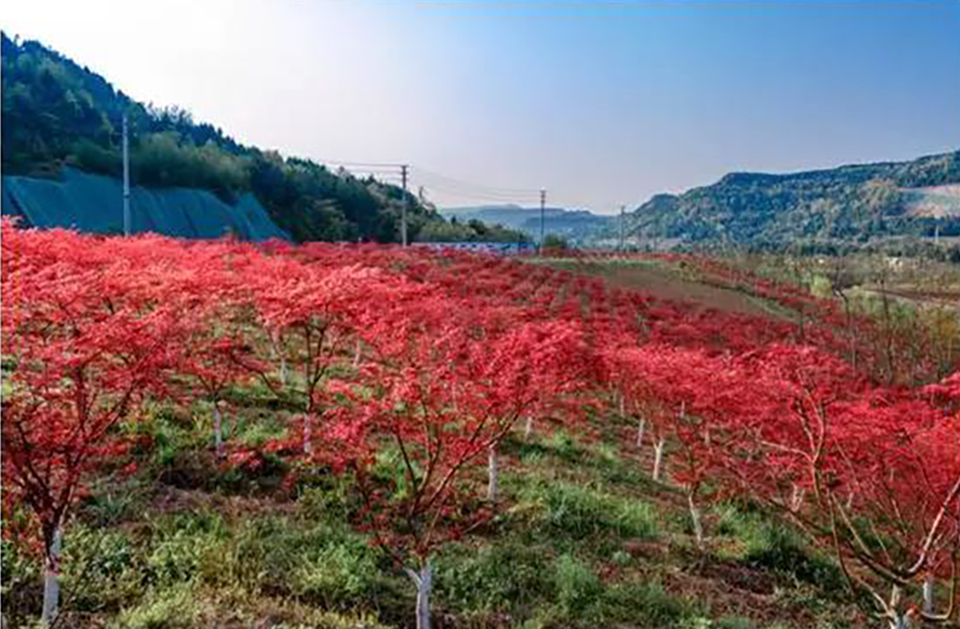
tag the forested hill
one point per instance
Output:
(849, 204)
(57, 113)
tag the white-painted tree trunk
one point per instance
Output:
(695, 517)
(493, 474)
(307, 434)
(424, 583)
(896, 619)
(51, 580)
(658, 458)
(528, 428)
(899, 621)
(218, 430)
(929, 603)
(356, 355)
(640, 428)
(276, 349)
(796, 498)
(283, 370)
(623, 405)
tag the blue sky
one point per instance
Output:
(601, 103)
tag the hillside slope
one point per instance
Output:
(92, 203)
(856, 203)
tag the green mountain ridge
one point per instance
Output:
(58, 114)
(851, 204)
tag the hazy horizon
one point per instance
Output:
(602, 104)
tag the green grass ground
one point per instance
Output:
(582, 539)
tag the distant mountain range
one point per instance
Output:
(577, 226)
(855, 204)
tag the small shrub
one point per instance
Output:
(101, 569)
(503, 578)
(607, 454)
(330, 498)
(730, 521)
(621, 558)
(261, 555)
(583, 511)
(563, 445)
(577, 586)
(183, 545)
(115, 500)
(532, 457)
(646, 603)
(776, 547)
(21, 589)
(255, 433)
(173, 608)
(733, 622)
(341, 573)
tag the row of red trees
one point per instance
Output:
(435, 358)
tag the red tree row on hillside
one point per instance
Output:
(446, 392)
(426, 361)
(88, 340)
(872, 474)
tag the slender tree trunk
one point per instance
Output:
(51, 580)
(528, 428)
(356, 355)
(623, 404)
(658, 458)
(640, 428)
(277, 350)
(307, 434)
(695, 517)
(424, 583)
(900, 621)
(493, 474)
(218, 429)
(896, 619)
(929, 603)
(796, 498)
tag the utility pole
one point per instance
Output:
(403, 210)
(543, 205)
(622, 210)
(127, 227)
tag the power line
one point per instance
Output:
(475, 192)
(428, 174)
(432, 179)
(338, 162)
(474, 196)
(390, 172)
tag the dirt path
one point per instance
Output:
(663, 282)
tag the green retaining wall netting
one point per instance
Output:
(94, 203)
